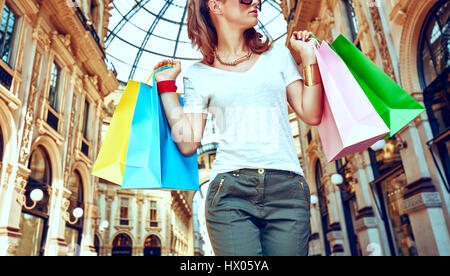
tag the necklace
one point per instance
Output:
(234, 62)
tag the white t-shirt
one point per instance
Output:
(250, 109)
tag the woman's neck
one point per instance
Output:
(231, 45)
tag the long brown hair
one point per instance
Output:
(202, 33)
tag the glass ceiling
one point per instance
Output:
(143, 32)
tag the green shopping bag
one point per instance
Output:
(392, 103)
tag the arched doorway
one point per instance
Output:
(322, 205)
(152, 246)
(122, 245)
(34, 222)
(434, 74)
(73, 232)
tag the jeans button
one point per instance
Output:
(260, 171)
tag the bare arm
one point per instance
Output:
(306, 101)
(186, 128)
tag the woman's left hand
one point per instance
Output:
(304, 45)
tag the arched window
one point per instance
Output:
(434, 44)
(322, 205)
(73, 232)
(152, 246)
(40, 178)
(34, 222)
(122, 245)
(434, 73)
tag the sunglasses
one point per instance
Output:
(249, 2)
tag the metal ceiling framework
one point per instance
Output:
(147, 36)
(124, 20)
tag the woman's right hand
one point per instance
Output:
(169, 73)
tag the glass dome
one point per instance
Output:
(143, 32)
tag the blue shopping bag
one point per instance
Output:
(153, 158)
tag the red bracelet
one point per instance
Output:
(166, 86)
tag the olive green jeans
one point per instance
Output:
(258, 212)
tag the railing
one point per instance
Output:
(88, 27)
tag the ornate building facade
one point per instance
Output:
(142, 222)
(393, 199)
(53, 79)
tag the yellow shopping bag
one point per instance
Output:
(110, 163)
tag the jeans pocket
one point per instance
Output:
(213, 186)
(305, 189)
(215, 189)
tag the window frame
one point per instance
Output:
(153, 208)
(59, 97)
(9, 78)
(43, 215)
(124, 221)
(55, 105)
(434, 93)
(76, 202)
(14, 33)
(86, 145)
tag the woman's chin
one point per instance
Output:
(253, 23)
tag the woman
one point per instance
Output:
(258, 200)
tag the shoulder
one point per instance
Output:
(194, 70)
(279, 50)
(283, 49)
(194, 77)
(191, 71)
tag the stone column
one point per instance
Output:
(334, 235)
(87, 242)
(109, 198)
(367, 230)
(139, 219)
(422, 201)
(56, 244)
(366, 225)
(10, 209)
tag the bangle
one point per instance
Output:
(312, 74)
(166, 86)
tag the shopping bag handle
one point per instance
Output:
(320, 42)
(167, 65)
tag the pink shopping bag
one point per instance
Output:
(350, 123)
